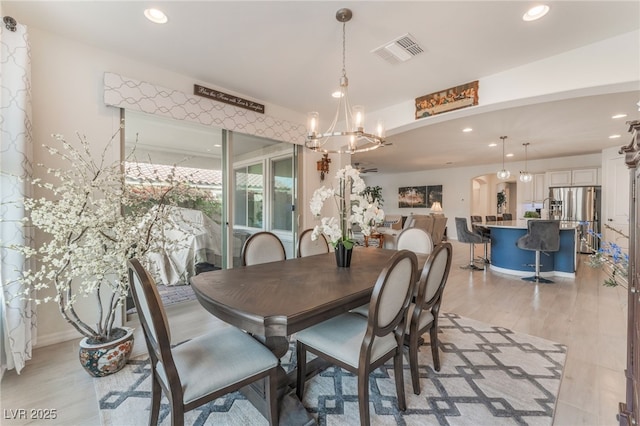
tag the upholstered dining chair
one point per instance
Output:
(416, 240)
(361, 344)
(507, 216)
(201, 369)
(439, 227)
(308, 247)
(262, 247)
(491, 218)
(422, 315)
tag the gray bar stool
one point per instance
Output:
(542, 236)
(471, 238)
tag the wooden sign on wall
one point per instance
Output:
(205, 92)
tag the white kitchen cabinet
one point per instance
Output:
(584, 177)
(577, 177)
(540, 191)
(559, 178)
(534, 191)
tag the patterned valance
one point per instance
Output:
(131, 94)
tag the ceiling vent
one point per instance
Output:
(399, 50)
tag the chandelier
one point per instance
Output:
(352, 137)
(525, 176)
(504, 173)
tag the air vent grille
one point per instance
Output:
(399, 50)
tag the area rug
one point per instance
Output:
(489, 376)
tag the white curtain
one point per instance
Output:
(17, 317)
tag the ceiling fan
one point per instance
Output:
(363, 169)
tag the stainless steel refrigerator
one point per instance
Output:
(578, 204)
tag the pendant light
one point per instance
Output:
(525, 176)
(504, 173)
(346, 134)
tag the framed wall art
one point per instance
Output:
(462, 96)
(412, 196)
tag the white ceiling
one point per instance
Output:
(289, 54)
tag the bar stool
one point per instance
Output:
(542, 236)
(471, 238)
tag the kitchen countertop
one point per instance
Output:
(522, 224)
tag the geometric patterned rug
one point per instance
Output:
(489, 376)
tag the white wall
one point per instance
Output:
(457, 184)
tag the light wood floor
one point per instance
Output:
(580, 313)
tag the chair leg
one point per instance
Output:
(272, 397)
(397, 367)
(363, 395)
(413, 362)
(301, 361)
(156, 396)
(177, 413)
(435, 353)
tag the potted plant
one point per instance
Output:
(92, 222)
(353, 209)
(502, 200)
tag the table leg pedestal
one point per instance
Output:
(291, 410)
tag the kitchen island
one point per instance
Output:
(506, 257)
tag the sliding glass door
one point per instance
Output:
(263, 190)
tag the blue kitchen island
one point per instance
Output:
(506, 257)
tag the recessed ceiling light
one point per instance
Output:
(535, 12)
(337, 94)
(467, 129)
(614, 136)
(217, 145)
(156, 16)
(509, 155)
(493, 145)
(618, 116)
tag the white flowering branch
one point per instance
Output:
(360, 212)
(94, 222)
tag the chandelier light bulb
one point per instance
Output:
(525, 177)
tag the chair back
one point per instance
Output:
(262, 247)
(507, 216)
(476, 219)
(542, 235)
(391, 296)
(154, 325)
(433, 279)
(464, 235)
(439, 225)
(416, 240)
(491, 218)
(308, 247)
(423, 221)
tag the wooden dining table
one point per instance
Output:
(275, 300)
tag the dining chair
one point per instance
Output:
(308, 247)
(422, 315)
(479, 229)
(361, 344)
(491, 218)
(507, 216)
(262, 247)
(416, 240)
(202, 369)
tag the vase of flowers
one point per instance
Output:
(610, 257)
(353, 209)
(92, 221)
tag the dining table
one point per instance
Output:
(273, 301)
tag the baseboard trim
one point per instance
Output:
(54, 338)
